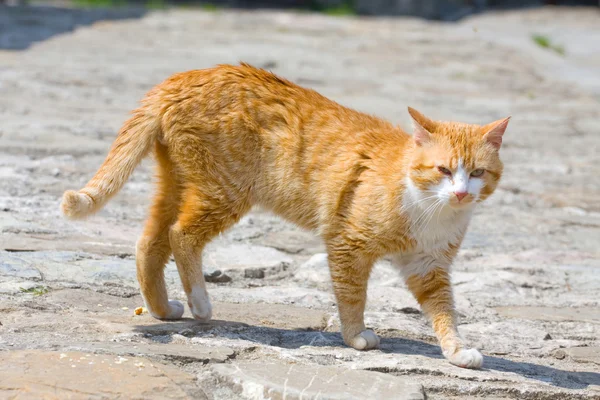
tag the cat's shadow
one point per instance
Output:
(294, 339)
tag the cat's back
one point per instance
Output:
(241, 85)
(241, 100)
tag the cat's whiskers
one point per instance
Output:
(423, 213)
(437, 209)
(425, 222)
(417, 202)
(424, 216)
(438, 217)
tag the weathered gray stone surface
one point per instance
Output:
(277, 380)
(36, 374)
(164, 352)
(584, 314)
(527, 278)
(585, 354)
(247, 261)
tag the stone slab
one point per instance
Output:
(13, 266)
(293, 241)
(236, 260)
(272, 315)
(68, 266)
(314, 270)
(278, 380)
(35, 374)
(582, 314)
(169, 352)
(584, 354)
(247, 261)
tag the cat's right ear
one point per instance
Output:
(420, 135)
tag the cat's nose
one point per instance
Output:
(461, 195)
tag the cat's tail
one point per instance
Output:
(132, 144)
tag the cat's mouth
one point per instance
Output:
(465, 202)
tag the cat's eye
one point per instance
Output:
(445, 171)
(477, 172)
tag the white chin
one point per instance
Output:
(460, 206)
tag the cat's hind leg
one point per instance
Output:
(206, 211)
(350, 275)
(153, 249)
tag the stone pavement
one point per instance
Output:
(527, 279)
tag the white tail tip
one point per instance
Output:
(76, 205)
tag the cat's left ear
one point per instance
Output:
(494, 132)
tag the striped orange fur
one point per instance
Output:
(231, 137)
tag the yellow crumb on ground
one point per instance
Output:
(140, 310)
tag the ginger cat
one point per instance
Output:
(230, 137)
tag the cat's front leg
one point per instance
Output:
(350, 275)
(433, 291)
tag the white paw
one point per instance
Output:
(175, 311)
(467, 358)
(200, 304)
(365, 340)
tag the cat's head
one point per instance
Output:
(454, 163)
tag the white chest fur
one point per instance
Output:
(434, 229)
(441, 230)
